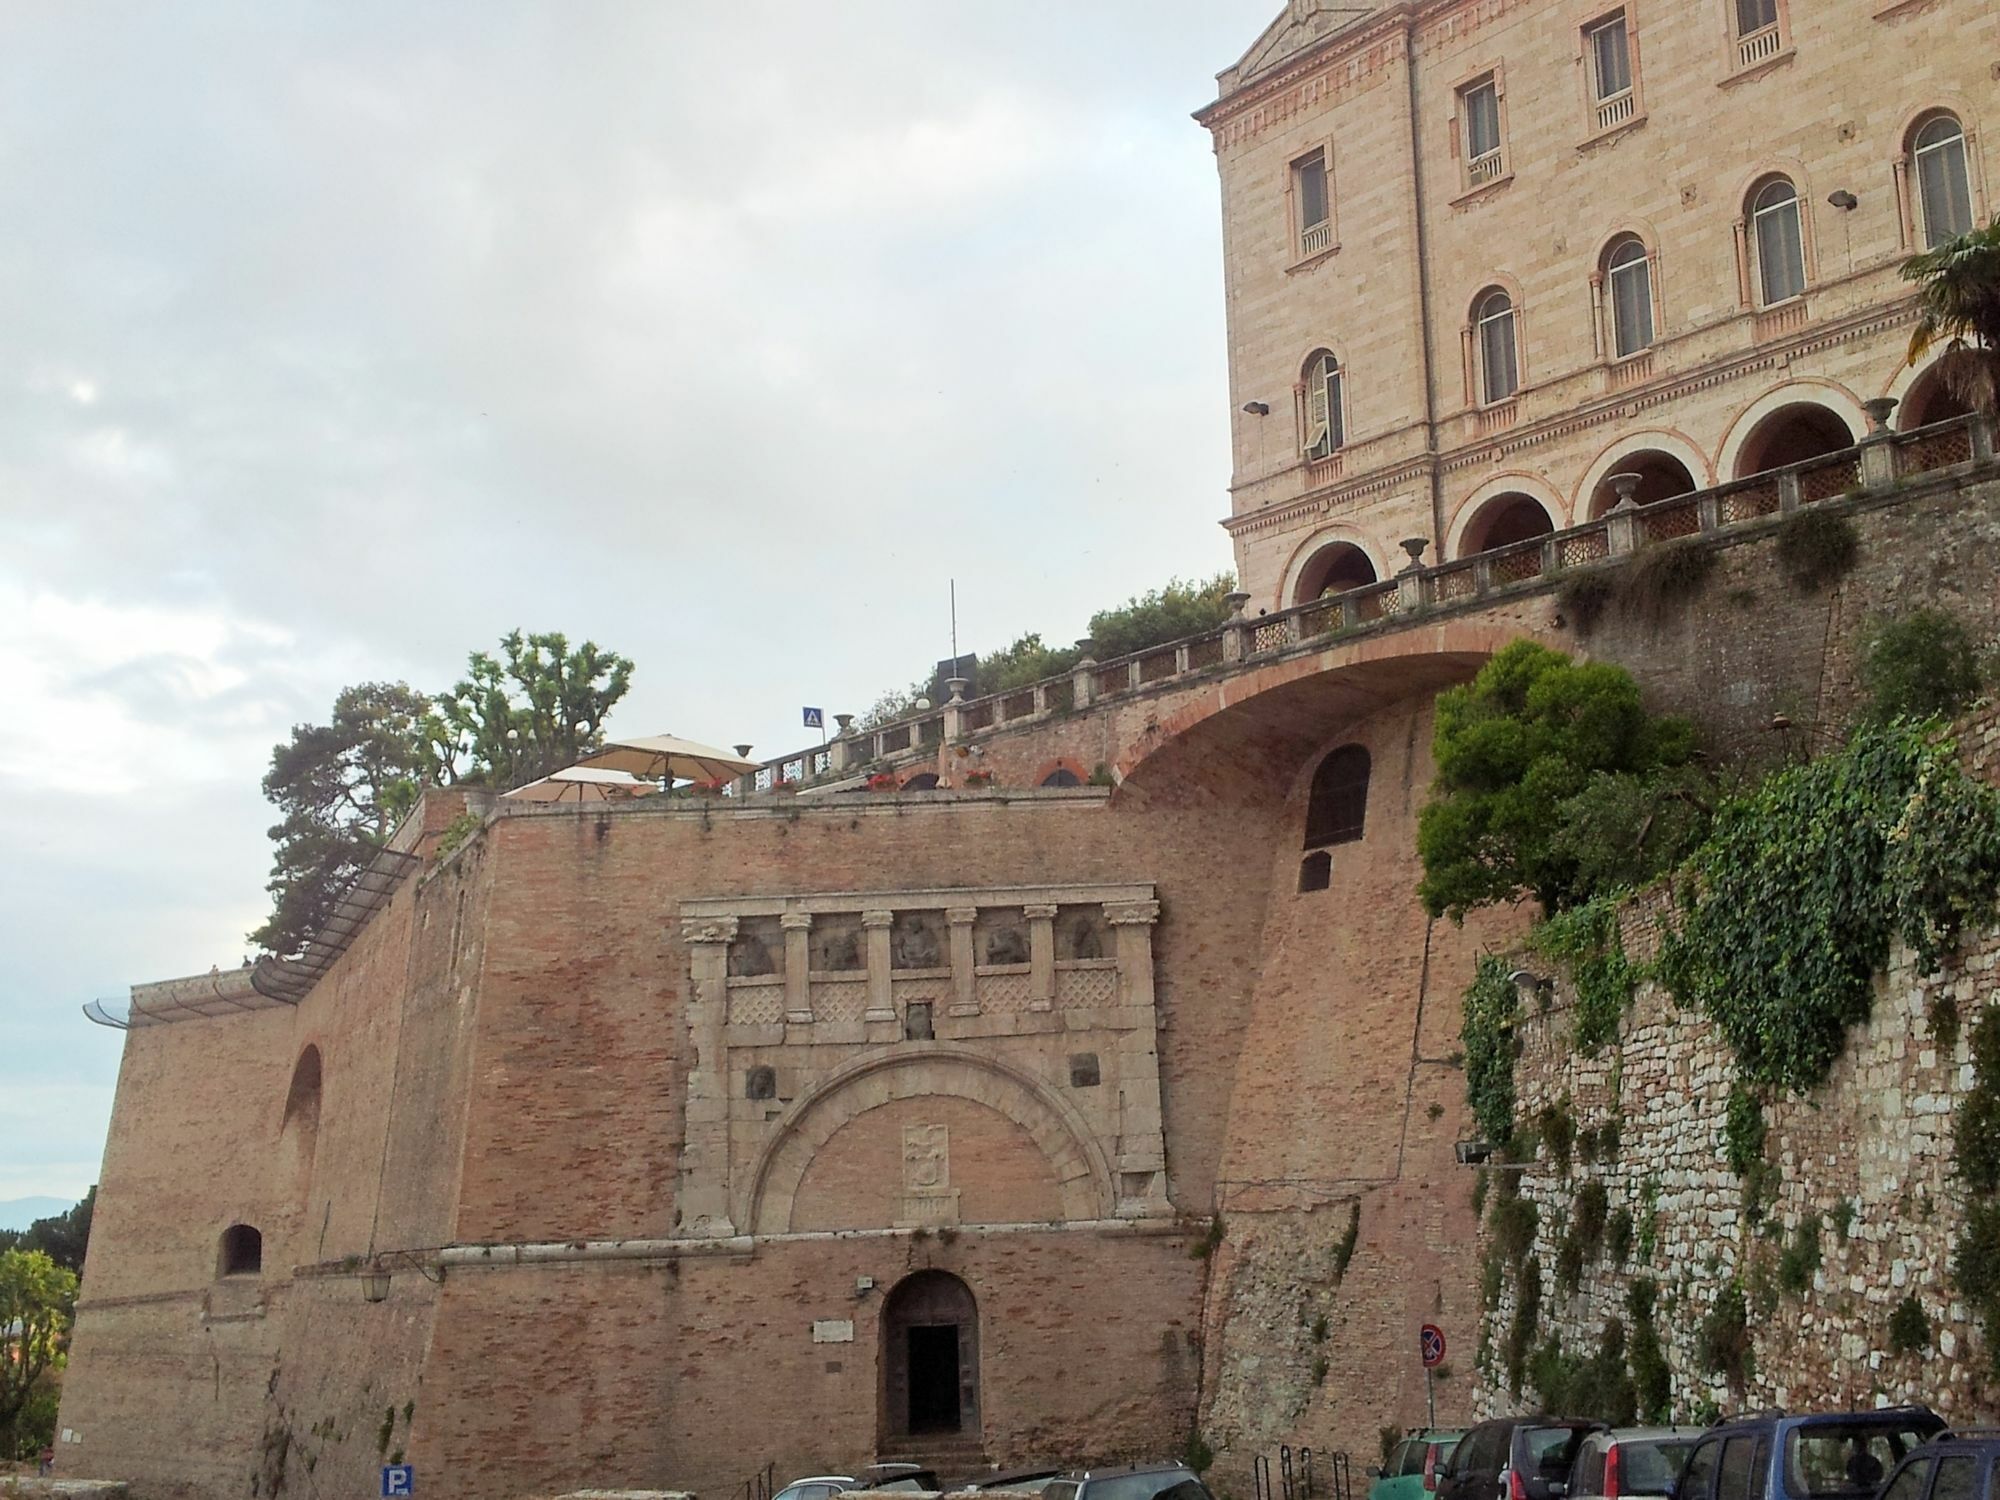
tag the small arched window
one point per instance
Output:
(1628, 294)
(1777, 239)
(1062, 776)
(1493, 334)
(242, 1251)
(1944, 188)
(923, 781)
(1325, 423)
(1338, 806)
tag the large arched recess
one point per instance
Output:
(1083, 1175)
(1835, 401)
(1252, 732)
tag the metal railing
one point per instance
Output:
(1457, 582)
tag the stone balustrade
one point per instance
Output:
(1871, 468)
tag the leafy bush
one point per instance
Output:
(1909, 1328)
(1515, 1221)
(1527, 1321)
(1801, 1259)
(1743, 1130)
(1558, 1128)
(1584, 598)
(1598, 1387)
(1587, 1218)
(1724, 1344)
(1511, 747)
(1793, 901)
(1618, 1236)
(1652, 1383)
(1817, 547)
(1918, 667)
(1585, 941)
(1626, 829)
(1661, 578)
(1977, 1132)
(1491, 1007)
(1975, 1267)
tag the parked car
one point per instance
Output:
(1131, 1482)
(1951, 1466)
(1622, 1461)
(1029, 1477)
(1826, 1456)
(1413, 1467)
(909, 1477)
(1515, 1458)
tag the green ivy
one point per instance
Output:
(1527, 1321)
(1743, 1131)
(1653, 1384)
(1725, 1337)
(1801, 1259)
(1492, 1006)
(1585, 940)
(1618, 1236)
(1599, 1387)
(1558, 1128)
(1794, 900)
(1909, 1328)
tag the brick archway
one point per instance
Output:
(1083, 1176)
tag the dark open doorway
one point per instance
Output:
(930, 1358)
(934, 1405)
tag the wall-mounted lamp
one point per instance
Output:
(375, 1277)
(1841, 198)
(1472, 1153)
(1257, 408)
(863, 1285)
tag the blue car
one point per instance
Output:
(1826, 1456)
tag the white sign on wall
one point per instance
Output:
(833, 1331)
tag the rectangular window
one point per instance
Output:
(1610, 59)
(1481, 111)
(1781, 261)
(1312, 203)
(1755, 15)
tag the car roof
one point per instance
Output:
(820, 1479)
(1121, 1470)
(1649, 1434)
(1878, 1416)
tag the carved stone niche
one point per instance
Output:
(758, 950)
(1000, 936)
(837, 945)
(1081, 933)
(917, 941)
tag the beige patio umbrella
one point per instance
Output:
(583, 784)
(663, 757)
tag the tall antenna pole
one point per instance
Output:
(954, 627)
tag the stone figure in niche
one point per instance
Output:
(917, 1025)
(916, 941)
(1080, 933)
(1003, 938)
(755, 952)
(837, 947)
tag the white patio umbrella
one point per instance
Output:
(583, 784)
(663, 757)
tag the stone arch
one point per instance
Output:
(1310, 553)
(1920, 393)
(1083, 1175)
(1062, 771)
(1823, 394)
(1594, 495)
(298, 1130)
(1473, 525)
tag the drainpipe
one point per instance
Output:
(1424, 289)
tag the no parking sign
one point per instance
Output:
(1430, 1343)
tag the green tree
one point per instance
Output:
(37, 1302)
(1958, 300)
(63, 1237)
(1513, 746)
(1027, 660)
(1921, 666)
(536, 708)
(1183, 607)
(340, 787)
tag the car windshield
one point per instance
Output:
(1846, 1458)
(1172, 1484)
(1646, 1466)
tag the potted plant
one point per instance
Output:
(882, 781)
(979, 778)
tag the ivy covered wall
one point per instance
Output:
(1681, 1244)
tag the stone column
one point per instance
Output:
(1236, 636)
(1083, 676)
(798, 966)
(704, 1185)
(1041, 956)
(1621, 526)
(954, 709)
(1142, 1152)
(1878, 450)
(845, 751)
(881, 1000)
(964, 997)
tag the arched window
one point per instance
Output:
(1944, 188)
(1628, 295)
(1777, 239)
(242, 1251)
(923, 781)
(1338, 806)
(1062, 776)
(1324, 422)
(1493, 334)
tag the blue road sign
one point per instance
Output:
(815, 719)
(399, 1479)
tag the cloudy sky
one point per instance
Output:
(336, 339)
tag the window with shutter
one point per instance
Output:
(1499, 369)
(1628, 285)
(1778, 237)
(1323, 425)
(1611, 59)
(1944, 189)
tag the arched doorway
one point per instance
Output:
(930, 1358)
(1503, 520)
(1333, 569)
(1661, 477)
(1792, 435)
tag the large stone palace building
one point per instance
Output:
(1091, 1082)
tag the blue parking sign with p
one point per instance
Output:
(399, 1479)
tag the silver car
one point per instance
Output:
(1622, 1461)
